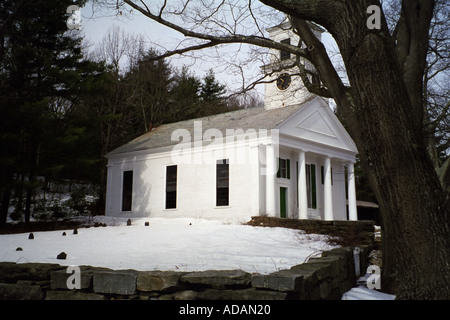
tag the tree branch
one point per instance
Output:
(253, 16)
(170, 53)
(444, 175)
(333, 84)
(444, 113)
(162, 8)
(402, 40)
(321, 11)
(418, 15)
(233, 38)
(318, 56)
(313, 88)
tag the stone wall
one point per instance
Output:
(327, 277)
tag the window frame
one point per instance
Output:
(284, 168)
(311, 185)
(127, 190)
(222, 183)
(171, 188)
(285, 55)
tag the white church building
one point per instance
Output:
(291, 158)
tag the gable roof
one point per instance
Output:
(311, 121)
(316, 122)
(254, 118)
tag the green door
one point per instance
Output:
(283, 202)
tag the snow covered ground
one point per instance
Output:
(174, 244)
(168, 244)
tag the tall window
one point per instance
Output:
(284, 168)
(311, 186)
(222, 183)
(285, 55)
(171, 187)
(127, 190)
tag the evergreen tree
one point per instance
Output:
(194, 98)
(212, 95)
(211, 90)
(40, 63)
(149, 82)
(185, 96)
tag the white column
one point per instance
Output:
(352, 210)
(328, 197)
(271, 171)
(302, 191)
(254, 179)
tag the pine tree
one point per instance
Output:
(211, 90)
(212, 95)
(40, 63)
(185, 97)
(149, 83)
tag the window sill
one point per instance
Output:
(222, 207)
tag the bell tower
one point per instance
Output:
(284, 86)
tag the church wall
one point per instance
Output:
(339, 194)
(196, 186)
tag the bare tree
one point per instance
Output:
(106, 99)
(382, 106)
(148, 83)
(436, 93)
(119, 49)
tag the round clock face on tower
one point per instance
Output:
(283, 81)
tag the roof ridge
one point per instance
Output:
(255, 118)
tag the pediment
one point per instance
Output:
(315, 122)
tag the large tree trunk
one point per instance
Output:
(415, 218)
(383, 122)
(416, 234)
(381, 115)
